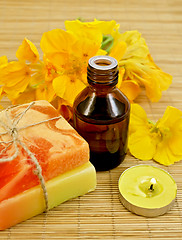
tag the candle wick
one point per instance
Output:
(151, 187)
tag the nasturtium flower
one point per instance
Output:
(104, 30)
(27, 52)
(70, 57)
(15, 77)
(139, 67)
(62, 73)
(160, 141)
(170, 126)
(28, 78)
(103, 27)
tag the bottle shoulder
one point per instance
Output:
(101, 105)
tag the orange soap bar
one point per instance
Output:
(58, 148)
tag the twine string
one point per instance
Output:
(12, 130)
(15, 122)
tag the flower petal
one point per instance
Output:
(165, 79)
(101, 52)
(13, 92)
(138, 118)
(118, 50)
(15, 77)
(139, 134)
(13, 73)
(45, 91)
(130, 88)
(68, 87)
(120, 76)
(25, 97)
(164, 155)
(105, 27)
(27, 51)
(56, 41)
(136, 45)
(84, 49)
(73, 89)
(140, 67)
(3, 61)
(136, 143)
(59, 85)
(172, 121)
(171, 115)
(84, 30)
(175, 142)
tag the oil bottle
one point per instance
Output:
(101, 114)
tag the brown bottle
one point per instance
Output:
(101, 114)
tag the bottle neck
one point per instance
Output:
(102, 72)
(101, 89)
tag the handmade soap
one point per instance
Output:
(29, 203)
(37, 132)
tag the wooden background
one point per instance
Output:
(99, 215)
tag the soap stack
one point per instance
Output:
(62, 154)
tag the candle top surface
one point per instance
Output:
(147, 186)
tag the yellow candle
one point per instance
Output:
(147, 190)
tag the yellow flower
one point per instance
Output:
(169, 149)
(27, 52)
(104, 27)
(69, 53)
(28, 78)
(139, 67)
(118, 43)
(15, 77)
(107, 31)
(41, 80)
(62, 73)
(160, 141)
(139, 134)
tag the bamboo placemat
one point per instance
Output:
(100, 215)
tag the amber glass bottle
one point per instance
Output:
(101, 114)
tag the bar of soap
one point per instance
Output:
(66, 186)
(61, 152)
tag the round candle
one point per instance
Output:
(146, 190)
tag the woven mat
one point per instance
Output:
(100, 215)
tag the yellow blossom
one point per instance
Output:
(170, 125)
(28, 78)
(105, 30)
(15, 77)
(27, 51)
(62, 73)
(70, 57)
(161, 140)
(103, 27)
(139, 66)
